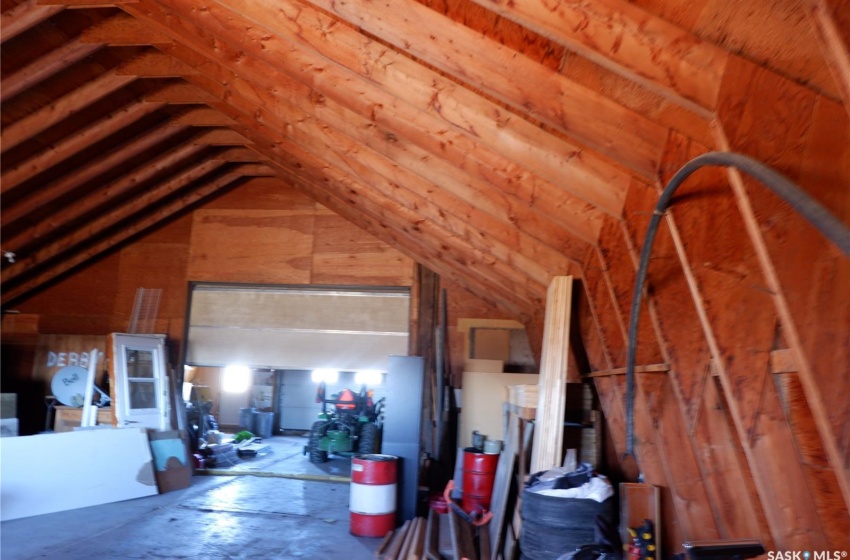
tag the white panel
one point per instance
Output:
(57, 472)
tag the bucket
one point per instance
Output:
(246, 418)
(479, 473)
(373, 495)
(263, 424)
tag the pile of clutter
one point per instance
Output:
(218, 450)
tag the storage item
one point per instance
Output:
(552, 526)
(479, 473)
(262, 424)
(373, 495)
(69, 417)
(246, 418)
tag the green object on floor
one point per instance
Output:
(242, 436)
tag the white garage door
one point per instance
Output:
(301, 327)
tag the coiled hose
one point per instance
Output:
(830, 226)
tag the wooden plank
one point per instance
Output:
(422, 225)
(155, 64)
(549, 433)
(395, 545)
(654, 368)
(445, 127)
(74, 101)
(75, 237)
(72, 145)
(784, 254)
(23, 17)
(123, 30)
(446, 44)
(464, 199)
(87, 171)
(432, 535)
(629, 41)
(501, 489)
(677, 324)
(20, 291)
(45, 66)
(832, 27)
(729, 278)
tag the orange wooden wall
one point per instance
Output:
(740, 446)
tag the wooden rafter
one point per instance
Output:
(73, 101)
(831, 21)
(624, 38)
(43, 67)
(94, 132)
(106, 194)
(24, 16)
(135, 227)
(403, 96)
(570, 108)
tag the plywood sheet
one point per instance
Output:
(483, 396)
(33, 482)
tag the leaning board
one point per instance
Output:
(57, 472)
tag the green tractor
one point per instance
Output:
(352, 425)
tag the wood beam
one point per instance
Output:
(155, 64)
(518, 213)
(831, 22)
(43, 67)
(789, 504)
(473, 193)
(406, 97)
(203, 116)
(181, 94)
(123, 30)
(240, 155)
(553, 99)
(23, 17)
(47, 116)
(72, 145)
(106, 194)
(629, 41)
(414, 251)
(552, 386)
(405, 224)
(122, 215)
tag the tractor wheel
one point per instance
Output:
(368, 442)
(317, 455)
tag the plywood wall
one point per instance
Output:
(740, 448)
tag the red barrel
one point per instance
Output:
(479, 473)
(373, 495)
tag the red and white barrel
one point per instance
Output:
(373, 494)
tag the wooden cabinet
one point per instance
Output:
(69, 417)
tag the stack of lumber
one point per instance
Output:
(417, 539)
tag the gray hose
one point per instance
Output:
(830, 226)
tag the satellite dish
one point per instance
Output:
(69, 385)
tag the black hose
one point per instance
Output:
(817, 215)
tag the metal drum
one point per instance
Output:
(373, 494)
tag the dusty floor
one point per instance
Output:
(218, 517)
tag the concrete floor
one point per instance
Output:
(217, 517)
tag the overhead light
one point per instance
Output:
(327, 375)
(368, 377)
(236, 379)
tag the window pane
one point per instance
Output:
(139, 363)
(142, 394)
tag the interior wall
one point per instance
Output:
(261, 232)
(740, 446)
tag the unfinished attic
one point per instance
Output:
(487, 194)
